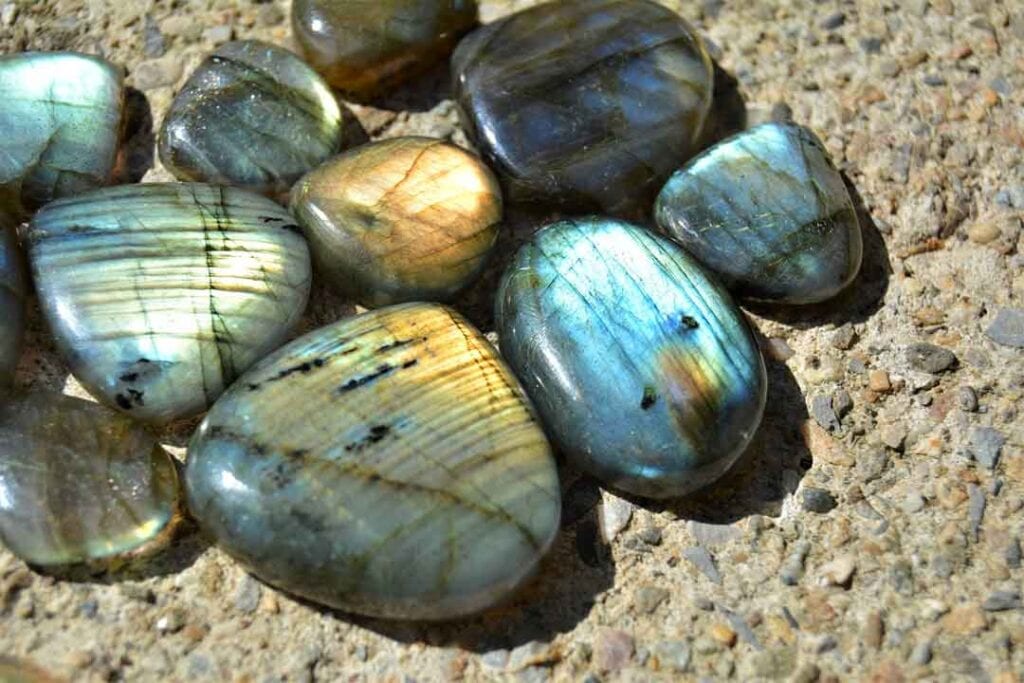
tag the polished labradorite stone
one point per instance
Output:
(364, 47)
(160, 295)
(644, 371)
(769, 213)
(251, 115)
(80, 483)
(12, 305)
(386, 465)
(589, 104)
(408, 219)
(60, 113)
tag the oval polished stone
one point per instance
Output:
(160, 295)
(80, 483)
(60, 113)
(644, 371)
(589, 104)
(12, 305)
(363, 48)
(768, 212)
(407, 219)
(387, 465)
(252, 115)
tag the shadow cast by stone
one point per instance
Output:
(728, 110)
(757, 484)
(561, 594)
(138, 140)
(861, 299)
(417, 95)
(180, 552)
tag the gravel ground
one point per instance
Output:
(872, 532)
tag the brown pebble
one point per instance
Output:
(878, 381)
(965, 620)
(874, 630)
(612, 649)
(723, 634)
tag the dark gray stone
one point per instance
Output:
(930, 358)
(985, 446)
(1008, 328)
(1002, 601)
(818, 500)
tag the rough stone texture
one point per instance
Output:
(919, 103)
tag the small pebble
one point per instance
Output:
(818, 500)
(984, 232)
(930, 358)
(843, 337)
(838, 572)
(985, 444)
(614, 515)
(792, 569)
(648, 598)
(612, 649)
(833, 21)
(651, 535)
(8, 13)
(975, 508)
(153, 43)
(842, 403)
(247, 595)
(218, 34)
(874, 630)
(921, 654)
(1002, 601)
(913, 502)
(934, 80)
(1012, 553)
(967, 399)
(1008, 328)
(673, 655)
(157, 73)
(878, 381)
(723, 634)
(824, 415)
(702, 559)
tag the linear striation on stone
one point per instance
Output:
(12, 305)
(252, 115)
(769, 213)
(387, 465)
(60, 113)
(160, 295)
(407, 219)
(641, 366)
(587, 104)
(363, 48)
(80, 483)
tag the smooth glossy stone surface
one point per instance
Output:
(12, 305)
(768, 212)
(363, 47)
(589, 104)
(160, 295)
(252, 115)
(644, 371)
(60, 113)
(387, 465)
(408, 219)
(80, 483)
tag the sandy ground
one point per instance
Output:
(873, 531)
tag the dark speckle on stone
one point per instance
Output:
(818, 500)
(930, 358)
(649, 398)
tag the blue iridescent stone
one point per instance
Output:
(586, 104)
(769, 213)
(159, 295)
(645, 372)
(60, 113)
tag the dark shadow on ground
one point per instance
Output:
(420, 93)
(858, 302)
(136, 152)
(578, 568)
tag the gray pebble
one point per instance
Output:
(934, 80)
(967, 399)
(871, 466)
(1012, 553)
(651, 535)
(742, 628)
(930, 358)
(1001, 601)
(818, 500)
(792, 569)
(703, 603)
(153, 43)
(648, 598)
(985, 445)
(1011, 197)
(247, 596)
(495, 659)
(1008, 328)
(842, 403)
(833, 21)
(218, 34)
(843, 337)
(673, 655)
(713, 535)
(821, 409)
(781, 112)
(871, 45)
(975, 508)
(921, 654)
(703, 561)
